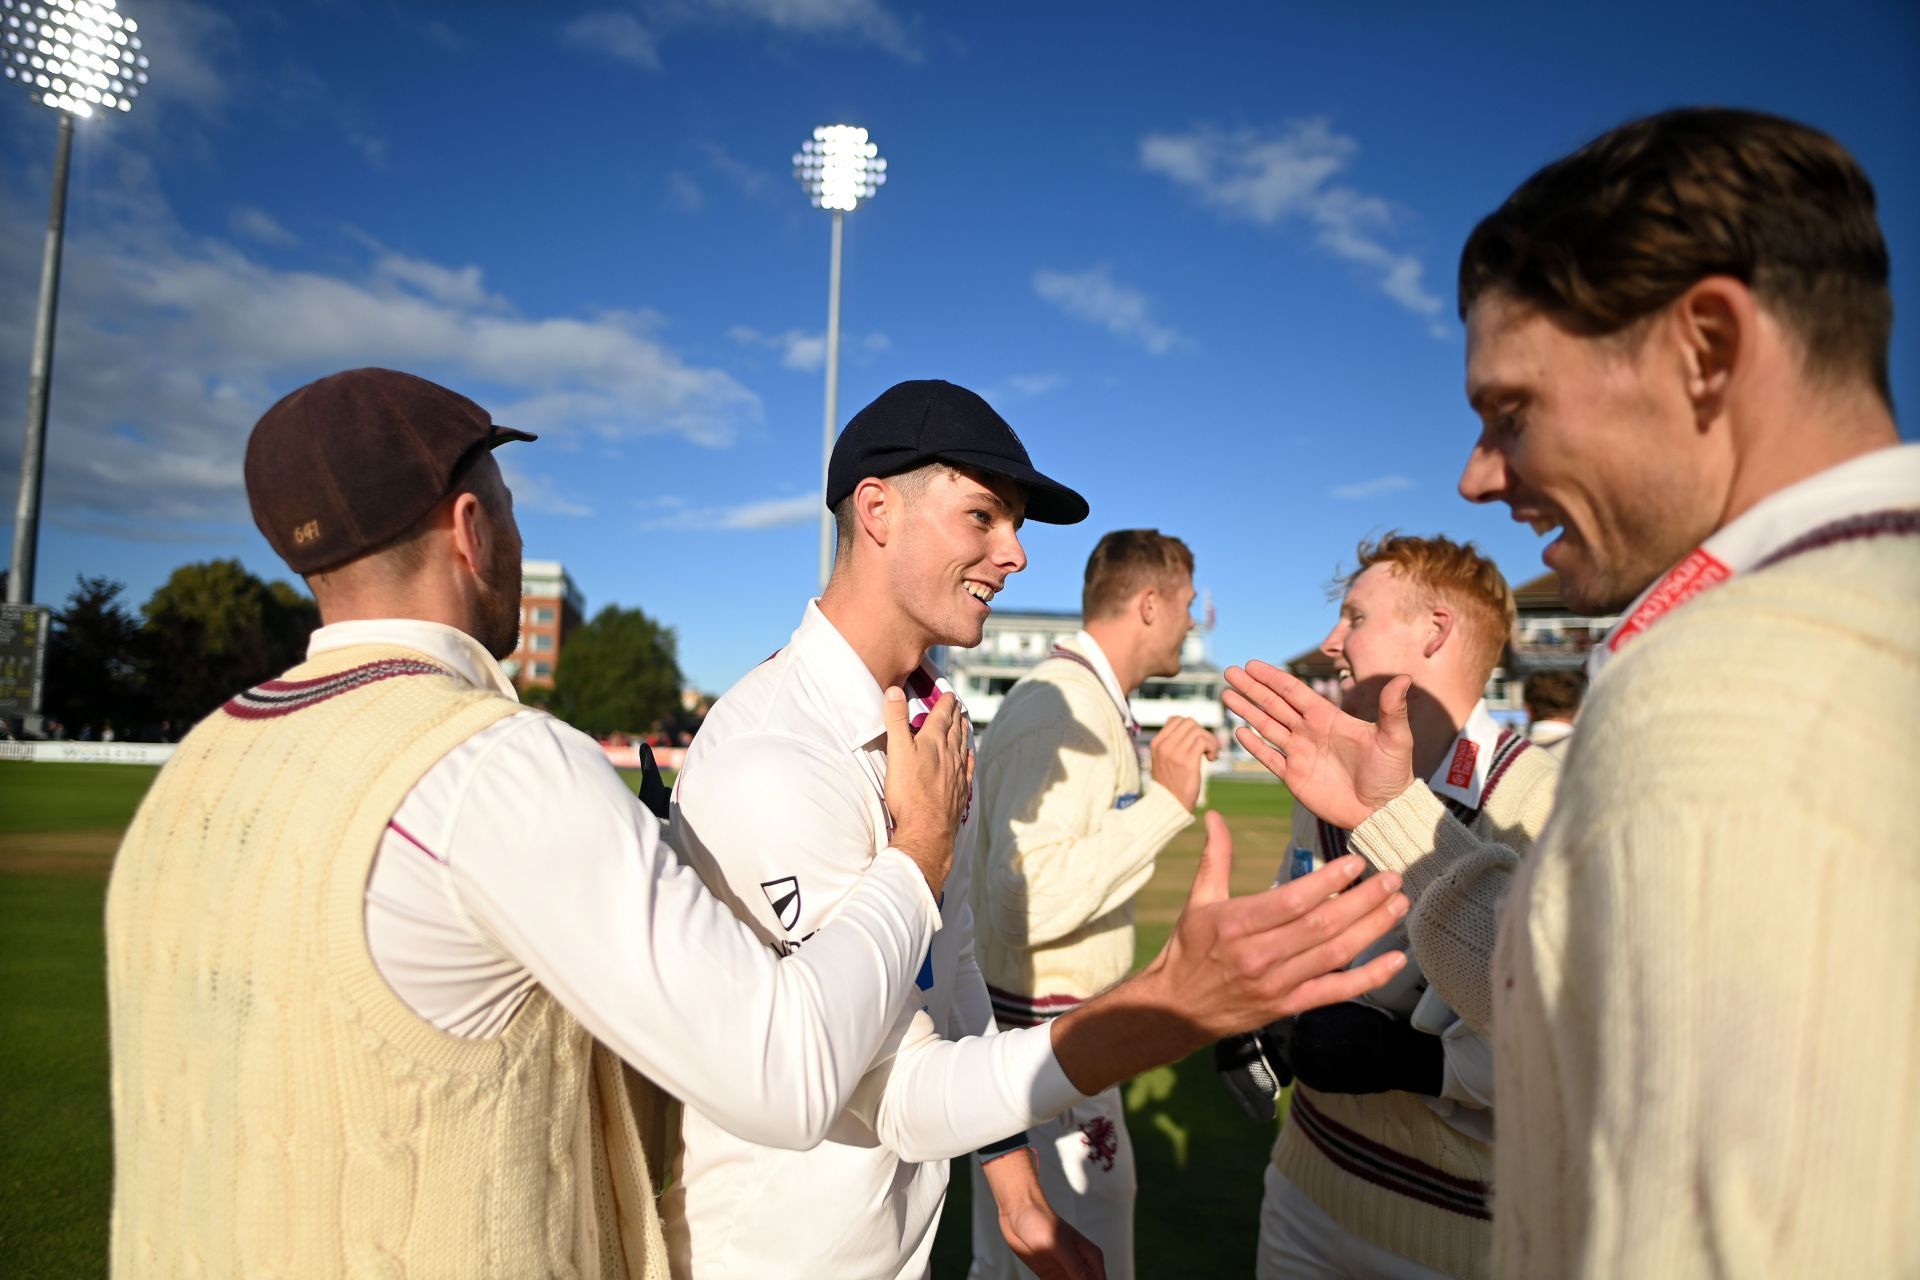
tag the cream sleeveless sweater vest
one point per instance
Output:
(1383, 1165)
(277, 1110)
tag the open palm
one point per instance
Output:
(1340, 767)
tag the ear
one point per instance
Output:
(473, 531)
(1440, 624)
(1147, 604)
(1715, 321)
(876, 505)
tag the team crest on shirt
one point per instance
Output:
(784, 894)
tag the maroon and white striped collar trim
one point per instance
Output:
(284, 697)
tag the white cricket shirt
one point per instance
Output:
(522, 858)
(780, 805)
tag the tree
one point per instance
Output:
(214, 629)
(94, 660)
(617, 672)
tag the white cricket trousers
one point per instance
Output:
(1298, 1241)
(1085, 1160)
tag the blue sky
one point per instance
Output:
(1200, 257)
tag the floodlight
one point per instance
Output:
(75, 56)
(84, 46)
(839, 166)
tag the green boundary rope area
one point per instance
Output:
(1199, 1161)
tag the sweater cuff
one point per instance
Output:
(1159, 815)
(1415, 835)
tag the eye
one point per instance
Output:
(983, 517)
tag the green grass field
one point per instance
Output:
(1199, 1160)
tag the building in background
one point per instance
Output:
(1548, 636)
(1015, 643)
(551, 606)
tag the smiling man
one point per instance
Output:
(1382, 1167)
(781, 804)
(1707, 974)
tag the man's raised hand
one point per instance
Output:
(1234, 964)
(929, 776)
(1340, 767)
(1240, 963)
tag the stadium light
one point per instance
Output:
(839, 166)
(81, 58)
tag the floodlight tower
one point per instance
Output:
(79, 57)
(839, 166)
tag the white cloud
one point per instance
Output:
(805, 351)
(258, 224)
(1273, 178)
(767, 513)
(171, 346)
(1373, 488)
(618, 35)
(459, 287)
(1094, 296)
(864, 20)
(685, 194)
(1035, 384)
(535, 492)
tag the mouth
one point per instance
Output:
(979, 591)
(1544, 525)
(1343, 676)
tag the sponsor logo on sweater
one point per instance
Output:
(1683, 582)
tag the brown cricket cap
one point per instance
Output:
(343, 464)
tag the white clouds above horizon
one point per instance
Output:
(261, 226)
(171, 346)
(620, 34)
(805, 351)
(1379, 486)
(1097, 298)
(676, 515)
(616, 34)
(1274, 178)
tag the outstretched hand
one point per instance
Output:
(1234, 964)
(1341, 768)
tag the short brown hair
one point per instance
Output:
(1127, 562)
(1622, 227)
(1457, 573)
(1556, 694)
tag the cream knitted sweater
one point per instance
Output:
(277, 1110)
(1385, 1166)
(1058, 860)
(1707, 987)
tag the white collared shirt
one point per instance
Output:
(1087, 647)
(1884, 479)
(780, 805)
(521, 858)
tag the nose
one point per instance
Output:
(1333, 645)
(1485, 475)
(1010, 555)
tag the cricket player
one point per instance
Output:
(1707, 972)
(1382, 1167)
(1068, 833)
(383, 944)
(781, 804)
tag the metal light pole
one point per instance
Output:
(77, 57)
(839, 167)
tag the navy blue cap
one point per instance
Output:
(913, 423)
